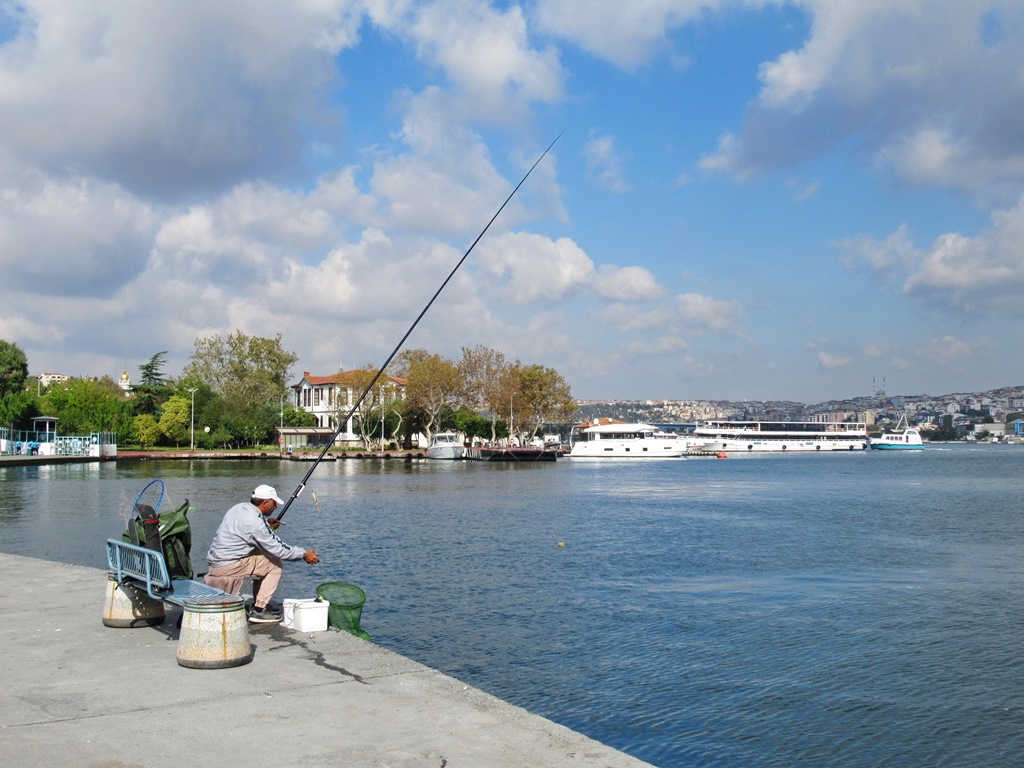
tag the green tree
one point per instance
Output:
(15, 402)
(246, 371)
(394, 416)
(261, 423)
(433, 386)
(486, 384)
(210, 413)
(88, 405)
(154, 387)
(298, 418)
(147, 431)
(221, 437)
(17, 408)
(470, 423)
(544, 397)
(13, 369)
(175, 420)
(125, 429)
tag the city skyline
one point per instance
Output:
(757, 200)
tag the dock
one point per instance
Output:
(477, 453)
(77, 693)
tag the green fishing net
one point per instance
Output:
(346, 606)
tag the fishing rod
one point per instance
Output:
(380, 371)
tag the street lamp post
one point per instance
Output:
(280, 433)
(192, 421)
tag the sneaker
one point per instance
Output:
(264, 616)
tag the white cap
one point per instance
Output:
(266, 492)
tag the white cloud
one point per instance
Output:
(980, 275)
(829, 361)
(445, 183)
(873, 350)
(727, 158)
(248, 233)
(707, 314)
(795, 77)
(630, 317)
(486, 52)
(604, 165)
(626, 283)
(948, 349)
(163, 98)
(525, 268)
(884, 258)
(923, 94)
(660, 345)
(73, 237)
(625, 33)
(802, 190)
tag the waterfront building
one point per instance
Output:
(330, 398)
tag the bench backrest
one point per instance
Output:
(141, 564)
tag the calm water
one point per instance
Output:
(844, 610)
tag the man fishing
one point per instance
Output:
(245, 545)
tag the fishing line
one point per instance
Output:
(380, 371)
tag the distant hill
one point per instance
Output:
(1004, 400)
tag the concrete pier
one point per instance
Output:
(77, 693)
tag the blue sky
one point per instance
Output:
(760, 200)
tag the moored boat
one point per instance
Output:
(903, 438)
(627, 441)
(446, 445)
(781, 436)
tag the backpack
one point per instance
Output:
(169, 532)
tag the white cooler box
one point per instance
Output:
(305, 615)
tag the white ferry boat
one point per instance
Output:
(903, 438)
(627, 441)
(788, 436)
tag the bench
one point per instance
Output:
(214, 632)
(146, 568)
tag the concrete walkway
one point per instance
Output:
(76, 693)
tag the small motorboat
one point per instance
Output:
(446, 445)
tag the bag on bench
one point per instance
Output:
(169, 533)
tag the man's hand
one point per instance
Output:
(275, 523)
(310, 557)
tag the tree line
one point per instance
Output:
(235, 391)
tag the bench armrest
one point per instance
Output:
(147, 566)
